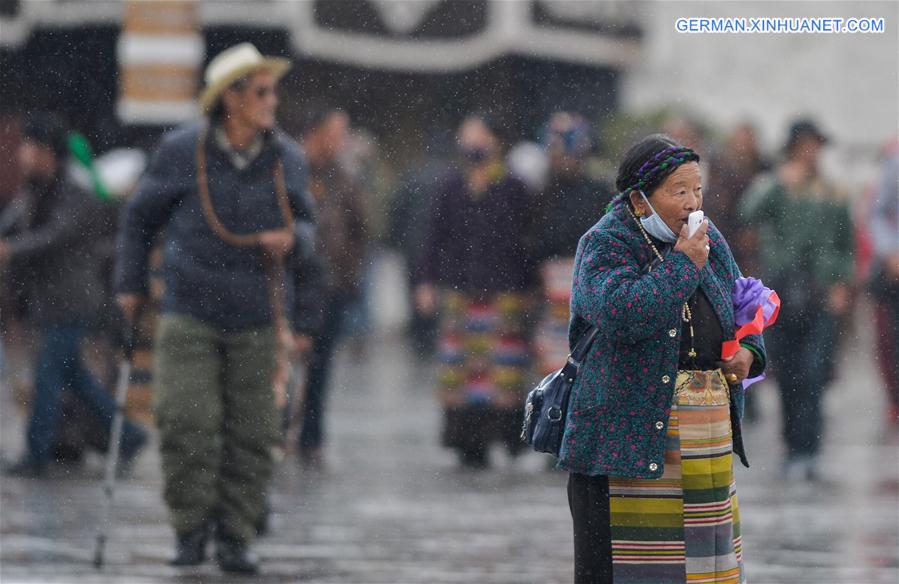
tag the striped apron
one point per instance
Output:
(483, 350)
(684, 526)
(551, 336)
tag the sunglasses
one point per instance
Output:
(260, 92)
(264, 91)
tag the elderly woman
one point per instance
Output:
(655, 413)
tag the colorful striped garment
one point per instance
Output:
(551, 337)
(483, 351)
(684, 526)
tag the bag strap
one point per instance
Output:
(584, 344)
(569, 371)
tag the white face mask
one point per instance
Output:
(655, 226)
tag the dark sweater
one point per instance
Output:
(55, 255)
(708, 335)
(566, 209)
(340, 208)
(476, 245)
(206, 278)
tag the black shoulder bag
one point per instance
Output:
(546, 408)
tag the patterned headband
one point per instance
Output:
(665, 161)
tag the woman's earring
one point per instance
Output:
(638, 212)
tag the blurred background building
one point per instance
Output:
(407, 70)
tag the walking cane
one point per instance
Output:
(296, 382)
(296, 406)
(115, 439)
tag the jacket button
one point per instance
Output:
(653, 466)
(672, 333)
(666, 379)
(660, 425)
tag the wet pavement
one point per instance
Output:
(392, 506)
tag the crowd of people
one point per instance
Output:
(265, 238)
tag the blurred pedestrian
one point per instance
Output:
(884, 280)
(230, 194)
(569, 204)
(730, 176)
(340, 208)
(111, 178)
(737, 167)
(410, 209)
(361, 161)
(54, 250)
(726, 172)
(475, 253)
(805, 239)
(655, 415)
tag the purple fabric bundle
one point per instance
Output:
(748, 295)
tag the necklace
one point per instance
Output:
(687, 317)
(686, 314)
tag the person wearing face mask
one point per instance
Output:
(655, 414)
(475, 254)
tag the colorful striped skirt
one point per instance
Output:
(684, 526)
(551, 336)
(484, 360)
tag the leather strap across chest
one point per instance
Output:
(274, 268)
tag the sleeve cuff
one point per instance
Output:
(684, 269)
(758, 361)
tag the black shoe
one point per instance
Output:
(262, 521)
(25, 467)
(133, 441)
(312, 457)
(191, 550)
(234, 556)
(474, 458)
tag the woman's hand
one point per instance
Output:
(697, 247)
(426, 299)
(297, 345)
(130, 305)
(736, 369)
(277, 243)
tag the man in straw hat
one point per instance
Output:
(230, 192)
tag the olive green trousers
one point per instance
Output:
(217, 422)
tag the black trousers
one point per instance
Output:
(806, 345)
(588, 499)
(312, 434)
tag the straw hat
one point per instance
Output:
(233, 64)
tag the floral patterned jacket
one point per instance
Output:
(620, 403)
